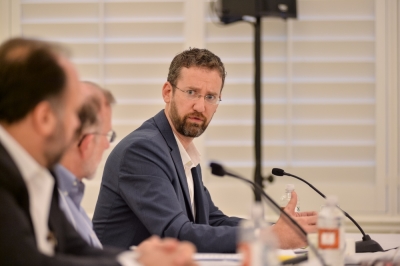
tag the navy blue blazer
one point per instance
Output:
(144, 192)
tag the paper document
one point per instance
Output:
(218, 256)
(283, 254)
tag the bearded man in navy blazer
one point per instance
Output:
(152, 179)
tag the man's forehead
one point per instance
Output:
(69, 70)
(198, 76)
(90, 90)
(193, 69)
(72, 83)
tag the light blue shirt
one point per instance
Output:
(71, 192)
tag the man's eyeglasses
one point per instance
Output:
(194, 95)
(111, 135)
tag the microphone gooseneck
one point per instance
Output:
(367, 244)
(218, 170)
(281, 172)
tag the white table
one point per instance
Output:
(387, 241)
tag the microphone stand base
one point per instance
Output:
(368, 245)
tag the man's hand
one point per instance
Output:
(288, 234)
(166, 252)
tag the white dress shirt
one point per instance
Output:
(40, 185)
(190, 158)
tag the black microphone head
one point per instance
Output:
(217, 169)
(278, 172)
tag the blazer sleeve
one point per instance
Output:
(149, 184)
(18, 245)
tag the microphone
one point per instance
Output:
(218, 170)
(366, 244)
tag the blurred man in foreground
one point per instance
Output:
(40, 98)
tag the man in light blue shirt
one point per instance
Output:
(71, 192)
(83, 156)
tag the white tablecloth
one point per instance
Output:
(387, 241)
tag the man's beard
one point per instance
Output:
(56, 145)
(184, 127)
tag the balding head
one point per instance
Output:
(39, 97)
(106, 94)
(30, 72)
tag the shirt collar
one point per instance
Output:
(26, 164)
(190, 156)
(69, 185)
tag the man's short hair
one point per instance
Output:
(89, 112)
(29, 74)
(88, 115)
(195, 57)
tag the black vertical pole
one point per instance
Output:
(258, 109)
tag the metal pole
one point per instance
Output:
(258, 107)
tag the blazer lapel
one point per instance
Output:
(11, 180)
(55, 217)
(166, 130)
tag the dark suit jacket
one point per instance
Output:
(17, 237)
(144, 191)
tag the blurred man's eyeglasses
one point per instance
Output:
(111, 135)
(194, 95)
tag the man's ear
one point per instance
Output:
(86, 145)
(44, 118)
(167, 92)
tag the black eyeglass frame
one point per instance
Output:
(198, 95)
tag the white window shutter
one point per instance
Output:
(324, 80)
(320, 102)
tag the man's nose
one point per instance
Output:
(200, 104)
